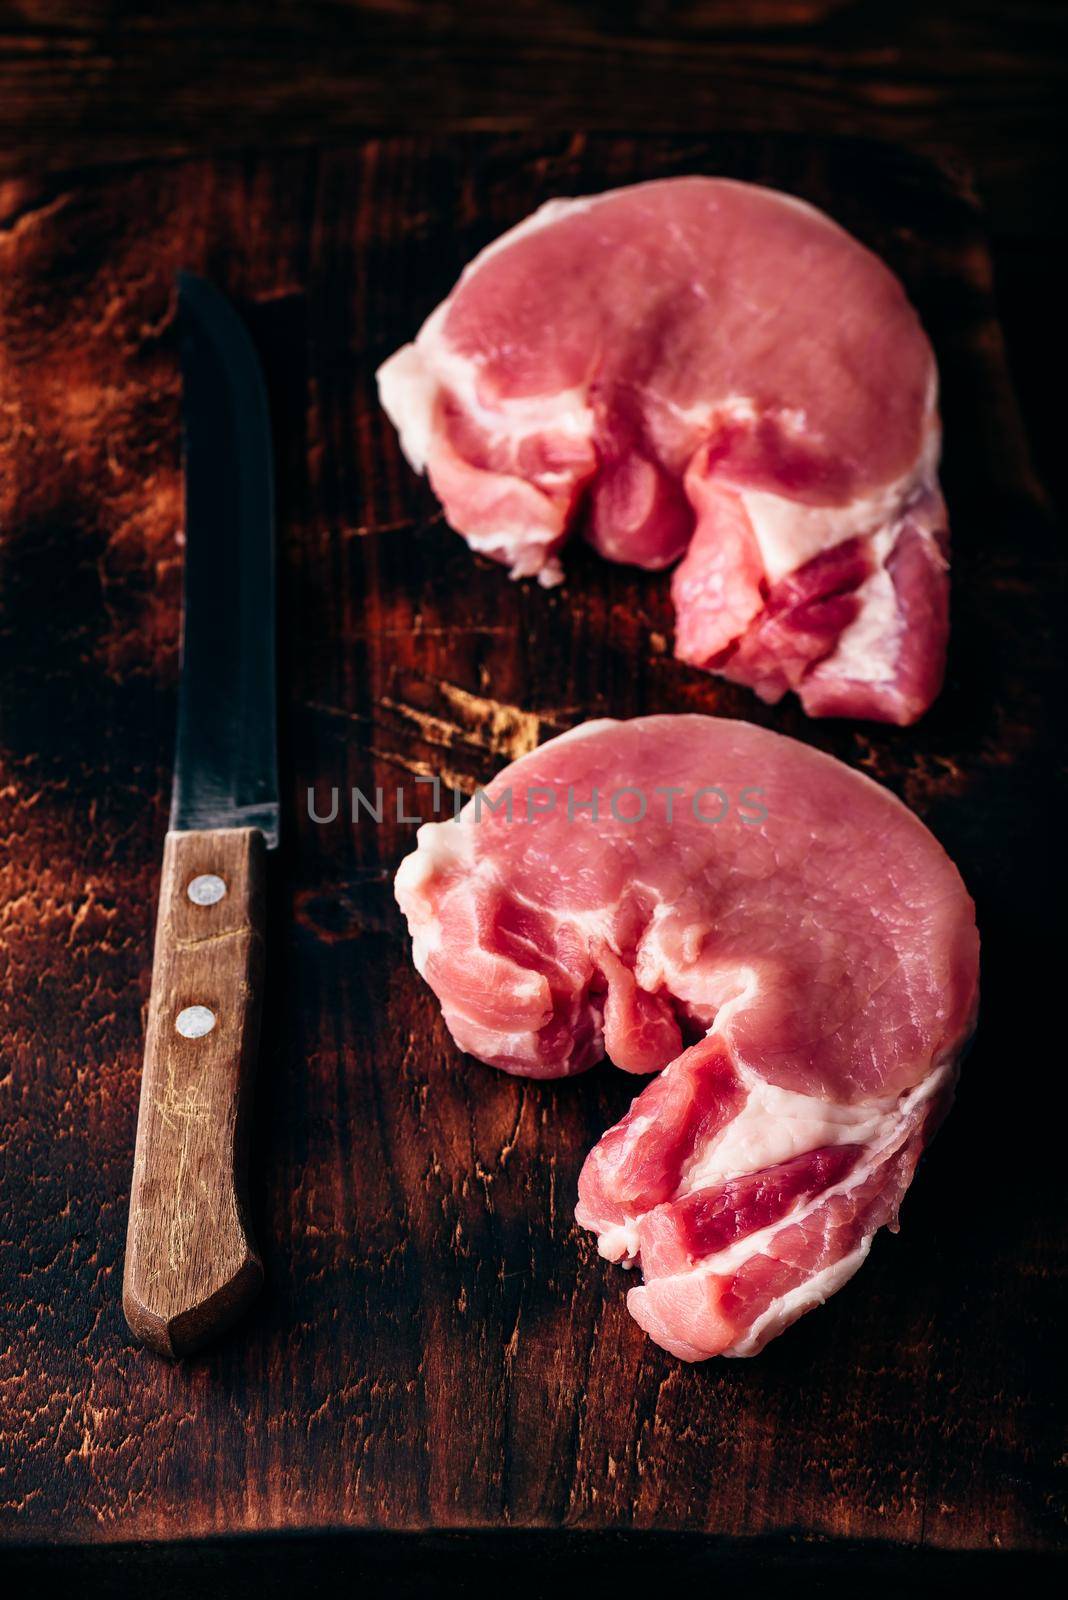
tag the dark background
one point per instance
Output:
(904, 1439)
(979, 84)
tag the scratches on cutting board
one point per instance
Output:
(500, 729)
(447, 716)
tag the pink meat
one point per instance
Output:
(714, 372)
(742, 891)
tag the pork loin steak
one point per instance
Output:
(631, 888)
(716, 372)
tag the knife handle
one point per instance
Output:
(191, 1265)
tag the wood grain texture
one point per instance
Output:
(191, 1266)
(88, 81)
(439, 1346)
(977, 85)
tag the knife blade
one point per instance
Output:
(192, 1266)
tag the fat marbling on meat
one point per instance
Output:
(774, 934)
(713, 374)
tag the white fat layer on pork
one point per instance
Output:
(408, 390)
(775, 1125)
(894, 1124)
(522, 548)
(411, 380)
(868, 648)
(896, 1128)
(441, 847)
(616, 1241)
(813, 1292)
(789, 534)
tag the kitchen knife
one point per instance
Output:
(191, 1264)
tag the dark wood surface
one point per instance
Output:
(979, 85)
(126, 80)
(438, 1347)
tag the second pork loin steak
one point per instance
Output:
(634, 888)
(708, 370)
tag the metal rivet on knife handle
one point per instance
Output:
(206, 889)
(194, 1022)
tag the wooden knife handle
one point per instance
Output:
(191, 1264)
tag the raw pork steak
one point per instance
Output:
(788, 919)
(715, 372)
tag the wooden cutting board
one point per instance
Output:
(440, 1360)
